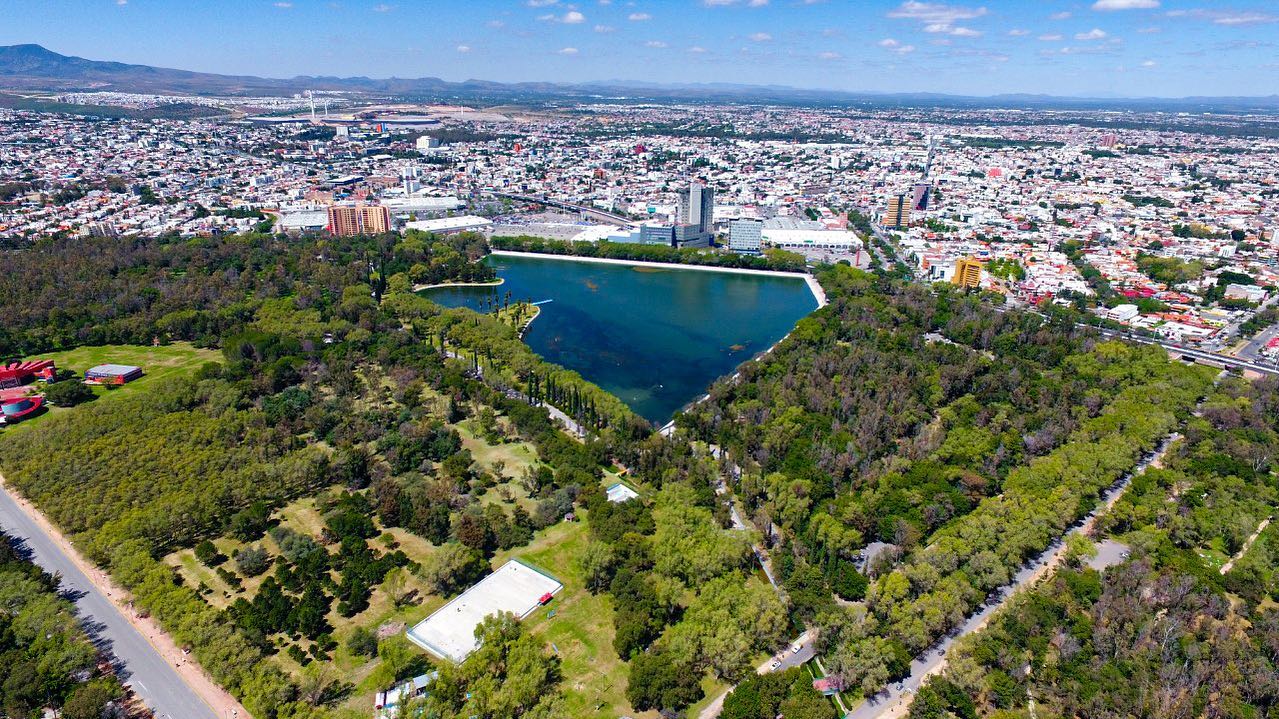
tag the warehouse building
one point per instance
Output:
(112, 374)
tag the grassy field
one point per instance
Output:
(581, 630)
(179, 358)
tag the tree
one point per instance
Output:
(89, 701)
(452, 568)
(658, 682)
(362, 642)
(596, 564)
(68, 393)
(252, 561)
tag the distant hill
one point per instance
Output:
(33, 67)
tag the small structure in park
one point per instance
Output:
(618, 493)
(108, 374)
(16, 410)
(387, 704)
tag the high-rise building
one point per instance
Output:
(745, 235)
(697, 209)
(920, 195)
(351, 220)
(967, 272)
(897, 215)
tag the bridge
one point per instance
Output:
(594, 213)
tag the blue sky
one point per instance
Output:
(1060, 47)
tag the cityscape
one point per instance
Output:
(869, 361)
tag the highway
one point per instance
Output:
(138, 663)
(595, 212)
(895, 700)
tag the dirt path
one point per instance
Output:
(1246, 545)
(219, 701)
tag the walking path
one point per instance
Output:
(1246, 545)
(494, 283)
(785, 660)
(167, 680)
(894, 702)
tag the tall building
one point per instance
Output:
(351, 220)
(897, 215)
(967, 272)
(697, 213)
(920, 195)
(745, 235)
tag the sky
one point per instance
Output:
(1095, 48)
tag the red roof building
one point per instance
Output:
(20, 373)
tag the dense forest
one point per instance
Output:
(46, 659)
(907, 449)
(1176, 629)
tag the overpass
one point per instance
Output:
(594, 213)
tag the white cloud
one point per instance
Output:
(566, 51)
(655, 44)
(905, 49)
(1063, 15)
(830, 55)
(697, 50)
(639, 17)
(383, 7)
(541, 3)
(495, 24)
(760, 37)
(281, 5)
(1018, 32)
(1149, 30)
(1050, 37)
(726, 3)
(121, 3)
(889, 42)
(573, 17)
(936, 13)
(1149, 63)
(1243, 18)
(1125, 5)
(1093, 34)
(605, 28)
(463, 49)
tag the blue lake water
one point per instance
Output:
(654, 337)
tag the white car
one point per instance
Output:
(774, 666)
(795, 649)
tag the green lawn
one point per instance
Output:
(581, 632)
(176, 359)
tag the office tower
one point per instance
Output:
(697, 215)
(967, 272)
(351, 220)
(745, 235)
(898, 214)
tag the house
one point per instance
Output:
(386, 705)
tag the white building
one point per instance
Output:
(745, 235)
(447, 225)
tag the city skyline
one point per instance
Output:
(1102, 48)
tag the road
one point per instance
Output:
(894, 701)
(790, 659)
(139, 664)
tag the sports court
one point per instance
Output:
(515, 587)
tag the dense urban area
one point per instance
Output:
(1021, 461)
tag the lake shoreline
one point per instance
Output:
(813, 285)
(494, 283)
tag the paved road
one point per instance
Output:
(791, 659)
(138, 663)
(894, 700)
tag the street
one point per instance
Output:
(138, 663)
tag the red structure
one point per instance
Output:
(20, 373)
(18, 410)
(545, 599)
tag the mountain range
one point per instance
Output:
(34, 67)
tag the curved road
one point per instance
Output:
(895, 700)
(138, 663)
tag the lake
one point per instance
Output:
(654, 337)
